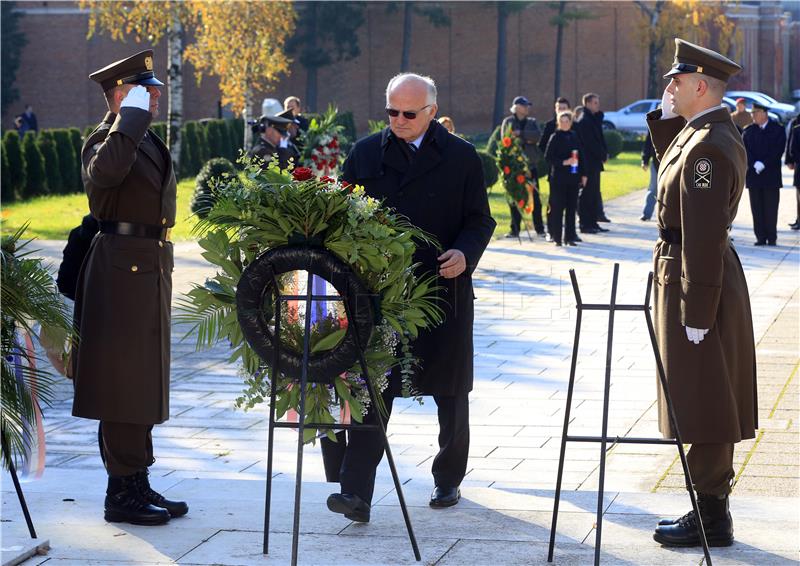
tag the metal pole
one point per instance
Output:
(607, 388)
(301, 419)
(18, 487)
(272, 397)
(565, 431)
(662, 377)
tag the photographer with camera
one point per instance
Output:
(273, 140)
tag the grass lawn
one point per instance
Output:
(52, 217)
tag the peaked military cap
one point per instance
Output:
(289, 115)
(691, 58)
(136, 69)
(276, 122)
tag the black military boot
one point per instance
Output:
(124, 504)
(717, 523)
(175, 508)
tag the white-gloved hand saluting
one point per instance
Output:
(696, 335)
(667, 111)
(759, 167)
(137, 97)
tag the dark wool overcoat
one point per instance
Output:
(700, 283)
(765, 145)
(122, 306)
(441, 190)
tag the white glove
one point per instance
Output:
(696, 335)
(137, 97)
(759, 167)
(283, 143)
(667, 111)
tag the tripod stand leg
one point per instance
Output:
(606, 391)
(374, 398)
(565, 431)
(21, 496)
(662, 378)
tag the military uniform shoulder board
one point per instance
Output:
(702, 173)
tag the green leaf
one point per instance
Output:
(329, 342)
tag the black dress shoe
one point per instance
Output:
(349, 505)
(124, 504)
(603, 218)
(558, 244)
(759, 243)
(601, 229)
(575, 239)
(174, 508)
(644, 218)
(795, 226)
(512, 235)
(772, 243)
(717, 523)
(589, 230)
(447, 496)
(572, 243)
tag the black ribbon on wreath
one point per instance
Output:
(255, 297)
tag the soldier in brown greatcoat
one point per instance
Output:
(701, 305)
(122, 306)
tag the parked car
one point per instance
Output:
(731, 104)
(632, 117)
(782, 112)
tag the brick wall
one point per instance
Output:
(601, 54)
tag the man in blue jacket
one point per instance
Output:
(764, 141)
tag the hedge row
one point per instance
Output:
(48, 163)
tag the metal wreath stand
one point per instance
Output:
(258, 300)
(604, 438)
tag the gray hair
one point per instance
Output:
(402, 78)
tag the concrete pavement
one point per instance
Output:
(214, 455)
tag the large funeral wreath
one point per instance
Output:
(264, 224)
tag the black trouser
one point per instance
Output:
(588, 205)
(125, 448)
(562, 199)
(364, 449)
(764, 205)
(516, 217)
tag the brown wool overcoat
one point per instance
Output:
(700, 282)
(122, 304)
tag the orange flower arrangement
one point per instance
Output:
(511, 160)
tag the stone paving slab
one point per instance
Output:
(214, 456)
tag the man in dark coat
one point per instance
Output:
(435, 179)
(764, 141)
(520, 125)
(272, 143)
(701, 306)
(793, 162)
(595, 153)
(561, 105)
(122, 306)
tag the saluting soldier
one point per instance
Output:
(701, 305)
(271, 142)
(122, 307)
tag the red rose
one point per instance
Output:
(521, 179)
(507, 170)
(318, 166)
(332, 163)
(521, 203)
(326, 179)
(334, 142)
(506, 142)
(346, 185)
(302, 174)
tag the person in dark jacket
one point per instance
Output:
(563, 155)
(435, 179)
(793, 162)
(650, 161)
(271, 142)
(29, 121)
(595, 153)
(524, 127)
(562, 105)
(764, 141)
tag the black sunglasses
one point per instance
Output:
(407, 114)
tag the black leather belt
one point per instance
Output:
(137, 230)
(670, 236)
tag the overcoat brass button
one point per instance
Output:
(160, 244)
(134, 268)
(163, 220)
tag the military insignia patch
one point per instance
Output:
(148, 63)
(702, 173)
